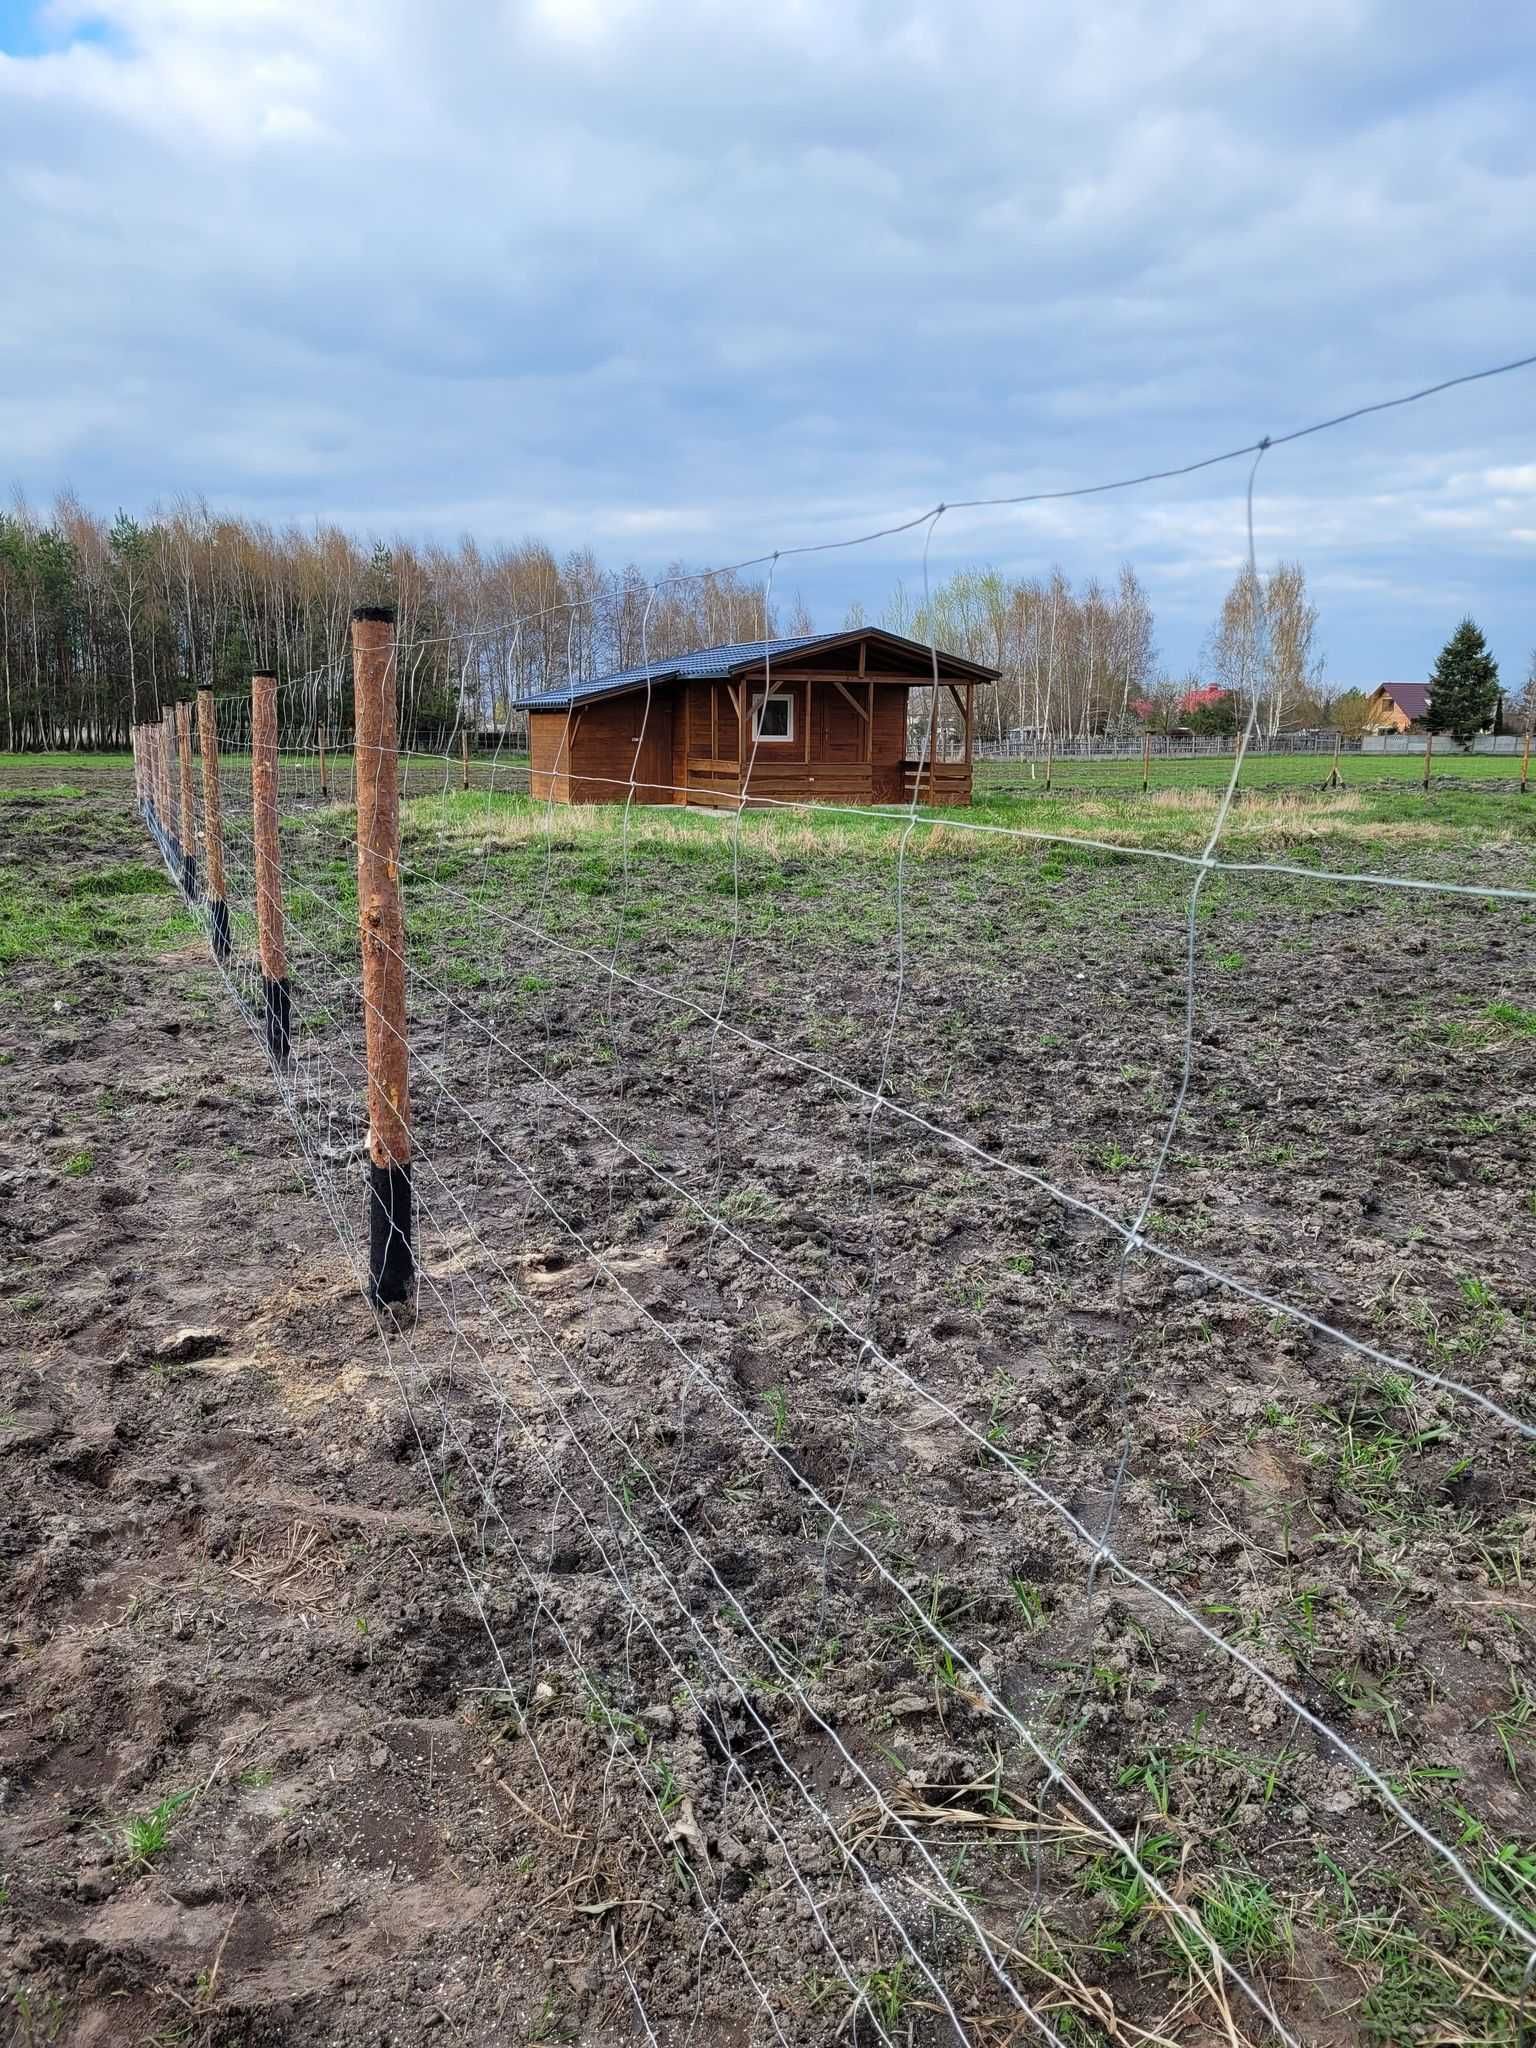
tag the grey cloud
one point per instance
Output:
(691, 278)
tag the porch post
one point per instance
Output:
(743, 727)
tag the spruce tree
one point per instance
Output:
(1464, 689)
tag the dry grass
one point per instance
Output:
(288, 1568)
(1169, 821)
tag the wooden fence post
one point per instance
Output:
(213, 826)
(1525, 761)
(166, 742)
(1146, 763)
(1429, 748)
(269, 870)
(1338, 741)
(324, 788)
(187, 809)
(391, 1247)
(1049, 758)
(464, 752)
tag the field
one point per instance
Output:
(687, 1627)
(1449, 770)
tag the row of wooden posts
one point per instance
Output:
(164, 786)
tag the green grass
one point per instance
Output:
(47, 920)
(1244, 1920)
(120, 763)
(145, 1835)
(50, 792)
(1260, 771)
(134, 907)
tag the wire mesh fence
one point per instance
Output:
(977, 1373)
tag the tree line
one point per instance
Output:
(1077, 663)
(104, 623)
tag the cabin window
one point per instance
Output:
(774, 717)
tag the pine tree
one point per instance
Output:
(1464, 689)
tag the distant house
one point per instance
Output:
(1397, 707)
(818, 718)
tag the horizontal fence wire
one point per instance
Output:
(614, 1051)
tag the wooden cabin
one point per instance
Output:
(821, 718)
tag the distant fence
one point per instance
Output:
(1413, 743)
(1161, 745)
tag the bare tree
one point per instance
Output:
(1523, 710)
(1261, 649)
(1292, 669)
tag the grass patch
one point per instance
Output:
(53, 791)
(133, 878)
(1373, 829)
(145, 1835)
(115, 907)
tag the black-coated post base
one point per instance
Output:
(218, 928)
(391, 1246)
(275, 1006)
(189, 876)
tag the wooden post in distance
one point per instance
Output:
(270, 941)
(188, 801)
(213, 827)
(167, 751)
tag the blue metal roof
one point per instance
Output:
(708, 661)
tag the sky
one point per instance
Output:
(696, 279)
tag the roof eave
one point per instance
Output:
(570, 702)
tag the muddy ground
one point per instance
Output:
(569, 1663)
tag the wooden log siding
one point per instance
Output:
(590, 754)
(848, 743)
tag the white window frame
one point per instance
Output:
(774, 739)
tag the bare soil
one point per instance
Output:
(522, 1687)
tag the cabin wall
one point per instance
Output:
(547, 758)
(692, 750)
(836, 755)
(593, 765)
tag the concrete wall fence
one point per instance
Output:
(1413, 743)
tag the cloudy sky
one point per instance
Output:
(699, 278)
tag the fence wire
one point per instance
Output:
(866, 1629)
